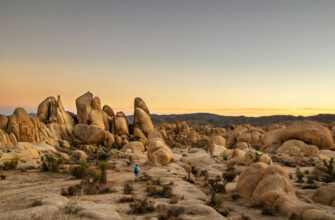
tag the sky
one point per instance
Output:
(250, 57)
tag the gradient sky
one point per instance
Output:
(251, 57)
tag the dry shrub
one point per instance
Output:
(164, 191)
(170, 212)
(127, 189)
(127, 199)
(141, 206)
(51, 163)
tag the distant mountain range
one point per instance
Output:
(195, 119)
(225, 121)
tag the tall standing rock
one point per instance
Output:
(142, 120)
(139, 103)
(83, 104)
(89, 110)
(121, 124)
(60, 122)
(109, 118)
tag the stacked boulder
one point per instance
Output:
(142, 124)
(94, 125)
(52, 113)
(158, 152)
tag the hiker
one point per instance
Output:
(136, 171)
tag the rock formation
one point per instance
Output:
(270, 186)
(142, 120)
(26, 128)
(310, 132)
(60, 122)
(158, 152)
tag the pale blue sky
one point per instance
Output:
(180, 56)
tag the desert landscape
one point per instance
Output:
(61, 165)
(167, 110)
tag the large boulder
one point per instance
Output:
(142, 120)
(89, 110)
(83, 104)
(325, 195)
(89, 134)
(310, 132)
(27, 128)
(109, 111)
(121, 124)
(298, 148)
(60, 122)
(256, 156)
(139, 103)
(3, 122)
(270, 187)
(272, 139)
(158, 152)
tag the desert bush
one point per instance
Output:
(71, 209)
(36, 202)
(268, 212)
(217, 184)
(10, 165)
(80, 171)
(74, 190)
(148, 187)
(141, 206)
(257, 156)
(216, 202)
(174, 199)
(171, 212)
(128, 189)
(329, 167)
(126, 199)
(164, 191)
(300, 175)
(229, 176)
(51, 163)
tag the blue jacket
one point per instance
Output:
(136, 169)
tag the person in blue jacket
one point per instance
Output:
(136, 171)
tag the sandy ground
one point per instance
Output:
(19, 188)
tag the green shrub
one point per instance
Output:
(217, 202)
(300, 175)
(10, 165)
(71, 209)
(95, 175)
(50, 163)
(148, 186)
(80, 171)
